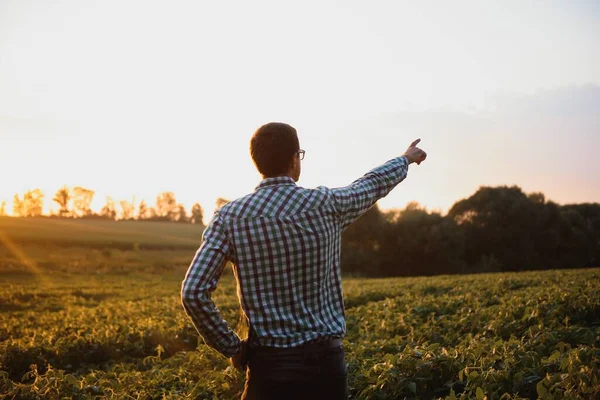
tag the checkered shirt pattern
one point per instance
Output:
(284, 243)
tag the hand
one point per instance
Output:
(240, 359)
(415, 154)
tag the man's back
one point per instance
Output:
(285, 252)
(284, 243)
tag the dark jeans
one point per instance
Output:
(296, 374)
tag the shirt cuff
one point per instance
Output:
(406, 159)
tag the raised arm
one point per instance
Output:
(354, 200)
(200, 281)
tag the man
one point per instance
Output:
(284, 243)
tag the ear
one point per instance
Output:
(293, 162)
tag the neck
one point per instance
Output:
(277, 176)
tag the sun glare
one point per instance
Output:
(15, 250)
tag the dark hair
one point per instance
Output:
(272, 147)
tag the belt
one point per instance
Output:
(305, 347)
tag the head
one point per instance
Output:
(274, 149)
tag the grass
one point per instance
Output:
(101, 233)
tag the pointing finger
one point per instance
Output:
(413, 144)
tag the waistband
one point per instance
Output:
(303, 348)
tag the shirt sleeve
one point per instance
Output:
(199, 283)
(354, 200)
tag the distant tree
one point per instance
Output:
(220, 203)
(497, 223)
(33, 203)
(127, 209)
(521, 231)
(166, 205)
(18, 209)
(82, 199)
(577, 246)
(62, 197)
(361, 243)
(402, 243)
(109, 211)
(197, 214)
(180, 214)
(590, 213)
(3, 209)
(537, 197)
(143, 211)
(416, 242)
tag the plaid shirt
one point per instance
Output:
(284, 243)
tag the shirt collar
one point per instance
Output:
(276, 180)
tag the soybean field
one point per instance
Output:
(105, 323)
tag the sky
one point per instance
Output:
(132, 98)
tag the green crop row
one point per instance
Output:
(495, 336)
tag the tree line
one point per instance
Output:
(496, 229)
(76, 203)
